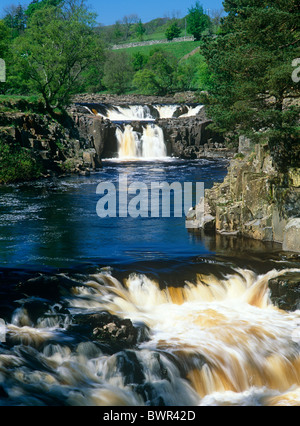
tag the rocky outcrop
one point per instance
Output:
(255, 201)
(59, 147)
(190, 138)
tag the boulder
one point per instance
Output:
(285, 291)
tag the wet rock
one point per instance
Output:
(50, 287)
(285, 291)
(107, 328)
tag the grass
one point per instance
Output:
(178, 49)
(18, 103)
(17, 98)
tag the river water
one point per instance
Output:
(213, 334)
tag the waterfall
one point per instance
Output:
(127, 113)
(121, 113)
(166, 111)
(149, 142)
(147, 145)
(192, 111)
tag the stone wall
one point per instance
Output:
(152, 42)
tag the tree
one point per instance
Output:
(139, 61)
(118, 72)
(140, 30)
(15, 19)
(159, 75)
(197, 21)
(173, 31)
(251, 71)
(36, 5)
(4, 40)
(57, 47)
(127, 23)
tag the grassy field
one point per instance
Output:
(179, 49)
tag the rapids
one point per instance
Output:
(207, 331)
(210, 342)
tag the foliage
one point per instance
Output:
(140, 30)
(57, 47)
(36, 5)
(15, 19)
(173, 31)
(192, 73)
(139, 60)
(118, 72)
(250, 63)
(17, 164)
(158, 77)
(4, 40)
(197, 21)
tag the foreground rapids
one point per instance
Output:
(210, 342)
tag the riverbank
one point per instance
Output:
(35, 145)
(255, 200)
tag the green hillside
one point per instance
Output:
(178, 49)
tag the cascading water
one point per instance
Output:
(211, 342)
(129, 113)
(148, 145)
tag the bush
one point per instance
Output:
(17, 164)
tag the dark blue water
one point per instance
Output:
(54, 222)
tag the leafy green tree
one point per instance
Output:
(4, 40)
(57, 47)
(197, 21)
(192, 73)
(173, 31)
(140, 30)
(15, 19)
(127, 23)
(250, 63)
(139, 61)
(36, 5)
(145, 80)
(118, 72)
(159, 75)
(118, 33)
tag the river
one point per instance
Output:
(213, 336)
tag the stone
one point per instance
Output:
(107, 328)
(245, 145)
(291, 241)
(294, 176)
(255, 202)
(285, 291)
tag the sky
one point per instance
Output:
(111, 11)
